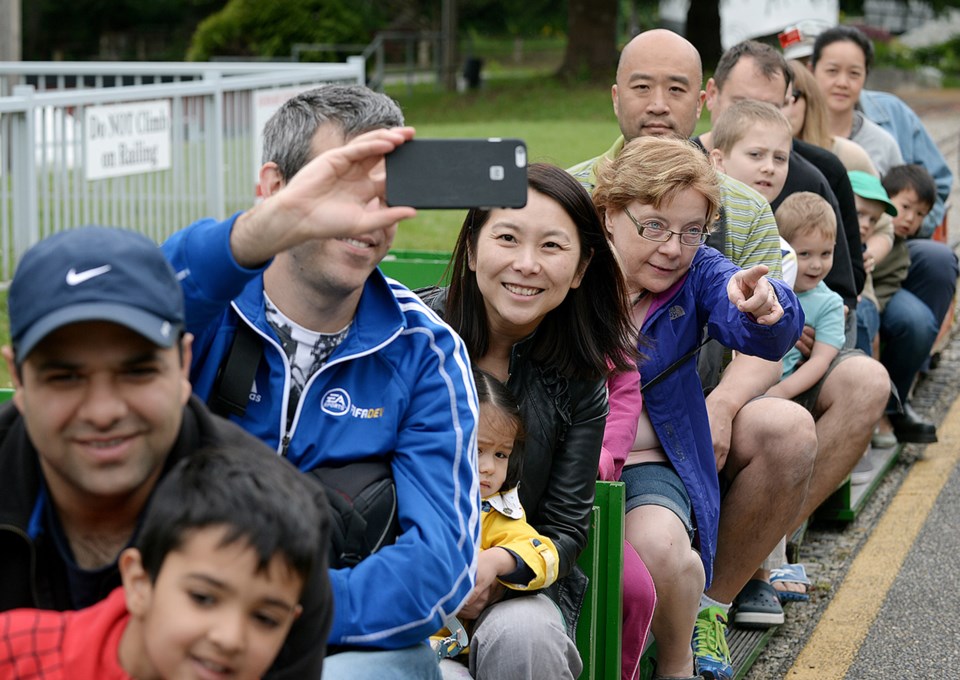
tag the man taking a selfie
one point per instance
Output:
(349, 366)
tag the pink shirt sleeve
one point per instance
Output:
(621, 428)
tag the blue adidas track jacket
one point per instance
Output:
(399, 385)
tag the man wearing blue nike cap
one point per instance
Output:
(102, 410)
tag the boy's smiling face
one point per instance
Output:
(910, 212)
(814, 258)
(209, 614)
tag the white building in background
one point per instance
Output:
(896, 16)
(745, 19)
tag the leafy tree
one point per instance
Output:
(257, 28)
(159, 29)
(703, 30)
(501, 17)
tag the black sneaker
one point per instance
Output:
(910, 426)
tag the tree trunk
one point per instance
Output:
(591, 41)
(10, 35)
(703, 30)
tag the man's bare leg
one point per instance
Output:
(772, 452)
(851, 401)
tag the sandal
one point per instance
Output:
(791, 574)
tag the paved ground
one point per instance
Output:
(882, 605)
(893, 608)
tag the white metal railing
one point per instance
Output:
(213, 146)
(60, 75)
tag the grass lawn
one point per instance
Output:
(550, 141)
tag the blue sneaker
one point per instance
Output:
(711, 655)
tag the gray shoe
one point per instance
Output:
(757, 606)
(884, 440)
(864, 471)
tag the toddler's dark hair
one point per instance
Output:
(492, 391)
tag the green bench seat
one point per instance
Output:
(415, 268)
(599, 630)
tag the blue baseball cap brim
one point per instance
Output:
(94, 274)
(159, 331)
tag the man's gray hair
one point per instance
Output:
(354, 109)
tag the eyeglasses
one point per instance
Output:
(652, 230)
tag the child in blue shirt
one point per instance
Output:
(808, 222)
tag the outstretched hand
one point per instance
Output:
(338, 194)
(753, 294)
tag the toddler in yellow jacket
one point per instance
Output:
(512, 551)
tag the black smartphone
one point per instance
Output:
(458, 173)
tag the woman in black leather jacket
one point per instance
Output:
(538, 297)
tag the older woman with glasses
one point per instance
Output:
(657, 199)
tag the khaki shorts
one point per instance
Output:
(808, 399)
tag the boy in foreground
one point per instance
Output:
(210, 589)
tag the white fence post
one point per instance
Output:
(26, 215)
(213, 136)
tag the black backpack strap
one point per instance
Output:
(231, 389)
(674, 366)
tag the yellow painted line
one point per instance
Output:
(838, 636)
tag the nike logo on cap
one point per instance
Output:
(75, 278)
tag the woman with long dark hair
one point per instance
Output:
(538, 297)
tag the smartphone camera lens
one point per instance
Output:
(521, 156)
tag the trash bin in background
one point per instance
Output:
(471, 72)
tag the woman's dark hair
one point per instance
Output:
(493, 392)
(258, 498)
(839, 34)
(592, 325)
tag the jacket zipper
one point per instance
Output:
(287, 432)
(33, 558)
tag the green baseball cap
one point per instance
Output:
(866, 185)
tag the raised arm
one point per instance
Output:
(337, 194)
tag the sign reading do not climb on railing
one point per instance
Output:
(127, 139)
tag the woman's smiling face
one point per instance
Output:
(526, 261)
